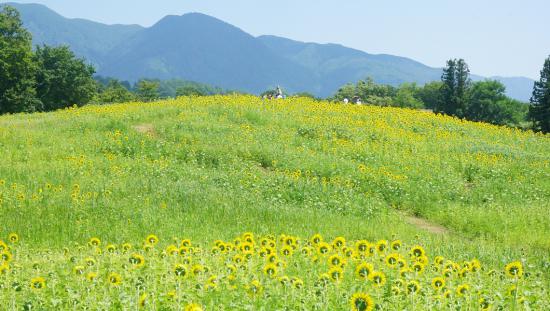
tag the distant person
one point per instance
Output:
(346, 100)
(279, 93)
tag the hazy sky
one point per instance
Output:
(496, 37)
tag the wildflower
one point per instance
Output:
(254, 288)
(13, 237)
(378, 278)
(95, 242)
(336, 260)
(111, 248)
(38, 283)
(180, 270)
(78, 270)
(418, 267)
(193, 307)
(297, 283)
(391, 260)
(462, 290)
(90, 276)
(114, 279)
(270, 270)
(142, 300)
(336, 273)
(396, 245)
(363, 270)
(316, 239)
(338, 242)
(361, 302)
(381, 246)
(323, 248)
(137, 260)
(418, 251)
(361, 246)
(514, 269)
(438, 283)
(152, 239)
(287, 250)
(413, 287)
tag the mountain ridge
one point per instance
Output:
(205, 49)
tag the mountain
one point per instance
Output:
(201, 48)
(204, 49)
(335, 65)
(88, 39)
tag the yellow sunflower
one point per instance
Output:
(38, 283)
(363, 270)
(13, 237)
(270, 270)
(462, 290)
(438, 283)
(151, 239)
(114, 279)
(378, 278)
(514, 269)
(361, 302)
(137, 260)
(336, 273)
(193, 307)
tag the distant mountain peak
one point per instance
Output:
(202, 48)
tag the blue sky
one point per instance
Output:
(496, 37)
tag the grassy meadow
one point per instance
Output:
(209, 169)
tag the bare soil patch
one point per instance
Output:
(148, 129)
(424, 224)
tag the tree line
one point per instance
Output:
(48, 78)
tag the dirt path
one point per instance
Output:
(423, 224)
(148, 129)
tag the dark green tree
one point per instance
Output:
(488, 103)
(63, 80)
(189, 90)
(147, 90)
(17, 69)
(114, 92)
(456, 82)
(539, 112)
(406, 97)
(463, 84)
(430, 94)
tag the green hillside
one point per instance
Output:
(233, 163)
(144, 205)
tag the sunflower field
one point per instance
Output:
(342, 201)
(260, 273)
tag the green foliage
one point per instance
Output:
(456, 82)
(405, 97)
(62, 79)
(147, 90)
(430, 94)
(488, 103)
(189, 90)
(539, 111)
(17, 69)
(114, 92)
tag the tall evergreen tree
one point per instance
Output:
(539, 112)
(456, 82)
(448, 89)
(17, 69)
(463, 83)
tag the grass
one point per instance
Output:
(211, 168)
